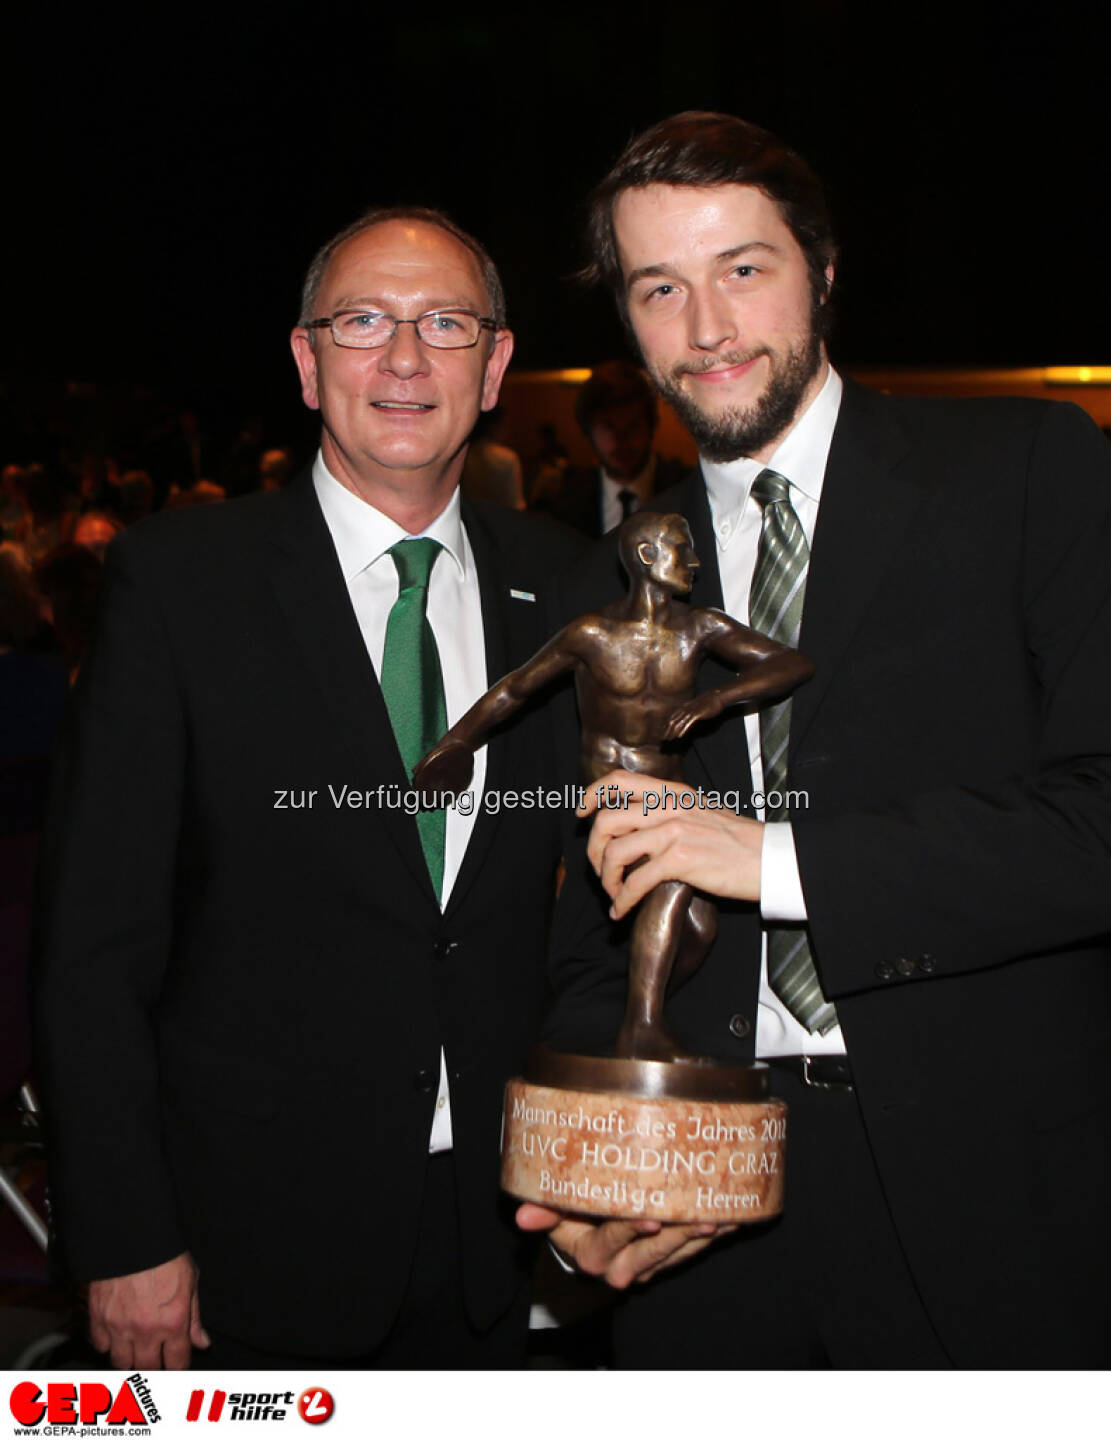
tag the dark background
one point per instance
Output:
(169, 176)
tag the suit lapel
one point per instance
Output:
(510, 629)
(867, 504)
(312, 595)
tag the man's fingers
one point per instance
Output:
(701, 1236)
(714, 851)
(568, 1237)
(611, 825)
(685, 1251)
(621, 852)
(147, 1352)
(154, 1348)
(598, 794)
(619, 1251)
(586, 1243)
(649, 1254)
(606, 828)
(625, 850)
(177, 1352)
(647, 809)
(122, 1355)
(591, 1245)
(612, 1236)
(537, 1217)
(198, 1335)
(597, 1252)
(636, 885)
(607, 795)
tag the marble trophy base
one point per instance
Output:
(644, 1139)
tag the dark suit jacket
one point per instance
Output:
(955, 855)
(577, 501)
(241, 1007)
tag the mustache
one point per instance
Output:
(717, 362)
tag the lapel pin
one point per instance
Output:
(523, 595)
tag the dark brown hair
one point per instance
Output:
(617, 382)
(704, 148)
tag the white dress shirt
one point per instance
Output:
(362, 536)
(800, 458)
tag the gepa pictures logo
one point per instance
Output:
(89, 1403)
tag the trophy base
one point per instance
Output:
(683, 1140)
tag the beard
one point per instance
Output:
(735, 433)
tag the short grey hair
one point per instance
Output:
(380, 216)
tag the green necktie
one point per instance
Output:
(413, 683)
(775, 609)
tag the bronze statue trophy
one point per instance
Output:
(650, 1131)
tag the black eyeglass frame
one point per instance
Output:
(485, 322)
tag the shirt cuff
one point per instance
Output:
(781, 896)
(561, 1259)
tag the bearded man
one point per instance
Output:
(913, 915)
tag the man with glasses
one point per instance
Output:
(277, 1002)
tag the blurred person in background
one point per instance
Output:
(32, 692)
(70, 578)
(134, 496)
(492, 471)
(95, 531)
(204, 492)
(13, 504)
(275, 468)
(47, 524)
(617, 412)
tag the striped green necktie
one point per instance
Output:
(413, 683)
(775, 609)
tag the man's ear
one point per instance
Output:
(304, 355)
(497, 362)
(646, 553)
(829, 283)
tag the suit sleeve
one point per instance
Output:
(104, 937)
(969, 877)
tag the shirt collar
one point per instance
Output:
(363, 534)
(641, 485)
(800, 458)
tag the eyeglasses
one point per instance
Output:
(370, 329)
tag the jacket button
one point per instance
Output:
(443, 948)
(904, 965)
(740, 1027)
(885, 970)
(425, 1080)
(927, 964)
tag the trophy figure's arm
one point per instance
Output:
(768, 670)
(449, 765)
